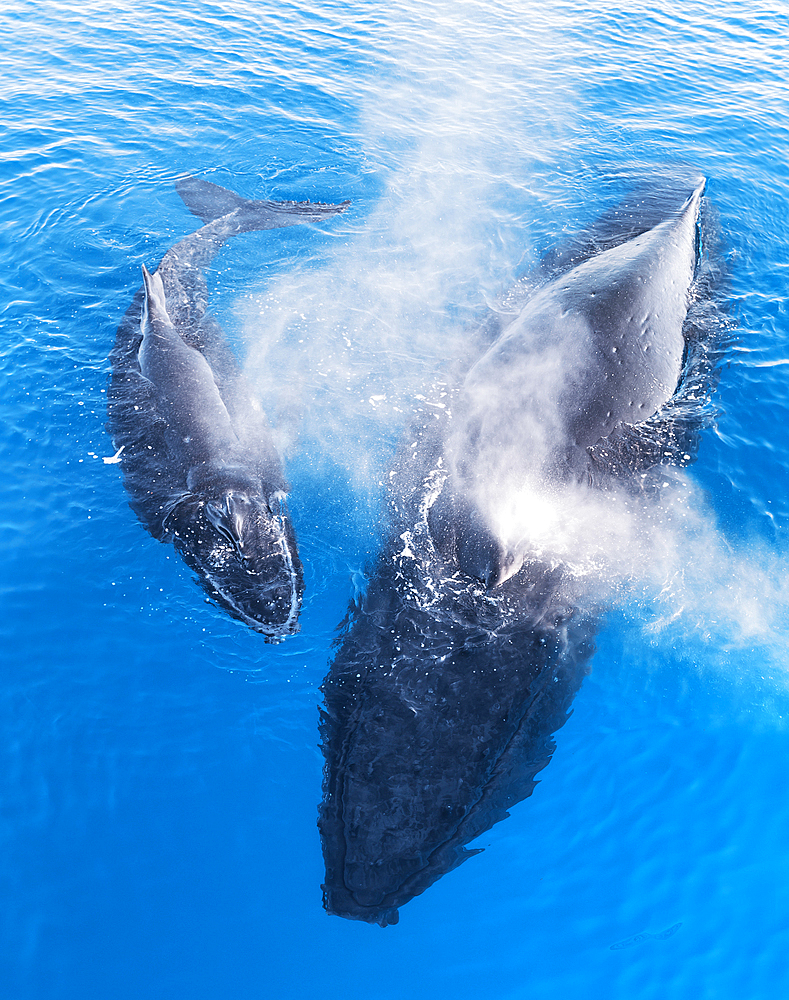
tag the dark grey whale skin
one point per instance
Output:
(197, 456)
(446, 686)
(435, 722)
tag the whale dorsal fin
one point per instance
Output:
(155, 304)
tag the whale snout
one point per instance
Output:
(243, 549)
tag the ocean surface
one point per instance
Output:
(160, 768)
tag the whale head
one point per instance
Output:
(240, 542)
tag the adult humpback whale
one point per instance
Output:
(196, 450)
(459, 663)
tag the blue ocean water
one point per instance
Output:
(159, 764)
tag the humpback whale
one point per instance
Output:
(455, 668)
(196, 450)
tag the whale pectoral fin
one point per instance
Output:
(248, 419)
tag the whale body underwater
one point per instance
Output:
(454, 669)
(194, 444)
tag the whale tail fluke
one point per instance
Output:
(206, 200)
(210, 201)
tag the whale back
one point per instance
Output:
(599, 346)
(600, 375)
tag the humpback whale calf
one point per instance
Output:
(197, 455)
(462, 658)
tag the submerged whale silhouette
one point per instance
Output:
(196, 449)
(454, 670)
